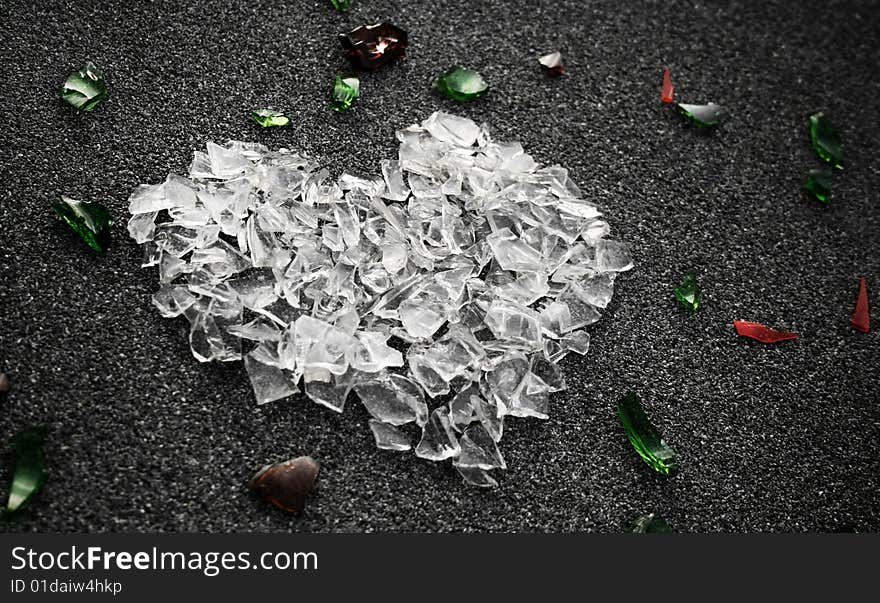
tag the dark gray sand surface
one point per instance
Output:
(770, 438)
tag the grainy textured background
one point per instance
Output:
(143, 437)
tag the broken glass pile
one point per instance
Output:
(442, 295)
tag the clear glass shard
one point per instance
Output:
(459, 131)
(548, 372)
(490, 415)
(438, 438)
(259, 329)
(389, 437)
(703, 116)
(270, 383)
(479, 450)
(475, 476)
(512, 253)
(142, 227)
(421, 318)
(172, 301)
(425, 375)
(226, 163)
(612, 256)
(532, 398)
(577, 342)
(392, 399)
(395, 187)
(515, 323)
(331, 392)
(374, 354)
(461, 409)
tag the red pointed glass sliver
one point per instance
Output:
(761, 333)
(861, 320)
(667, 92)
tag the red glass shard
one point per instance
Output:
(758, 331)
(860, 318)
(667, 93)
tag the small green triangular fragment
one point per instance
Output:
(461, 85)
(341, 5)
(819, 184)
(703, 116)
(688, 293)
(84, 88)
(826, 140)
(91, 221)
(267, 118)
(345, 91)
(29, 472)
(644, 436)
(649, 524)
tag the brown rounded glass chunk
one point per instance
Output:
(371, 46)
(287, 485)
(552, 64)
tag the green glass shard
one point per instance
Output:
(267, 118)
(91, 221)
(30, 468)
(826, 140)
(84, 88)
(345, 91)
(644, 436)
(461, 84)
(703, 116)
(819, 184)
(688, 293)
(341, 5)
(649, 524)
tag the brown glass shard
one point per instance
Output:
(371, 46)
(552, 64)
(287, 485)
